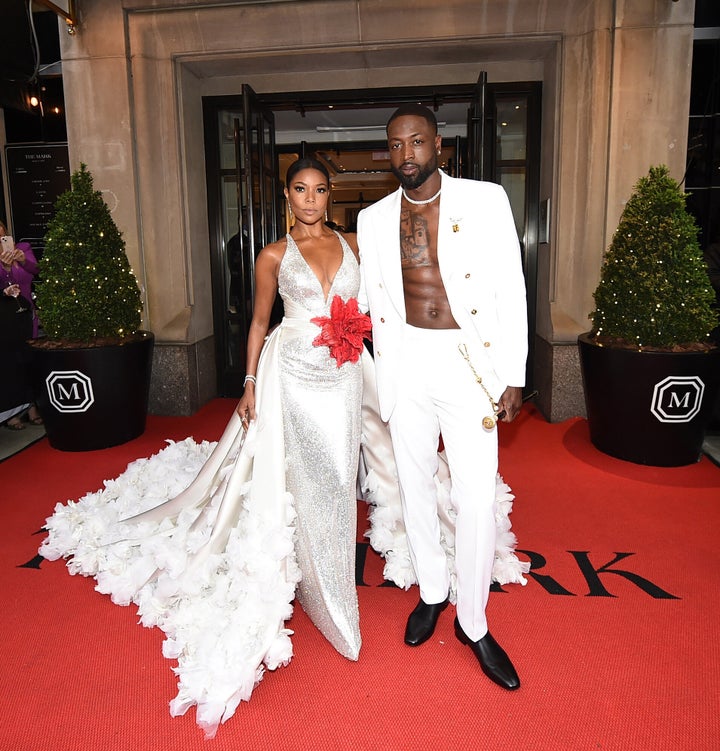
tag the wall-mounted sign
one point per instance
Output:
(37, 175)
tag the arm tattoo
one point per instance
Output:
(414, 249)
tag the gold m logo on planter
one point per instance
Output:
(677, 398)
(70, 391)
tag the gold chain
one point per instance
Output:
(490, 421)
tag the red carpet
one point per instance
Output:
(614, 637)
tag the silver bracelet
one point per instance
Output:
(250, 378)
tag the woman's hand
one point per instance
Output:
(246, 405)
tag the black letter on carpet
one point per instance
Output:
(591, 575)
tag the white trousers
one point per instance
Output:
(438, 393)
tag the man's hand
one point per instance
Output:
(510, 403)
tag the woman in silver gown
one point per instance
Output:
(319, 397)
(271, 511)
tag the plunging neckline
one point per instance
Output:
(316, 277)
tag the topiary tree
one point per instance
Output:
(88, 289)
(654, 290)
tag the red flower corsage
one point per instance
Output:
(343, 330)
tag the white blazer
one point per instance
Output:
(481, 268)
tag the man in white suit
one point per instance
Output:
(443, 282)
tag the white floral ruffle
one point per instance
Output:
(223, 614)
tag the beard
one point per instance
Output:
(415, 181)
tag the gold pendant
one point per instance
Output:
(489, 422)
(456, 228)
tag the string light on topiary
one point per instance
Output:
(85, 262)
(652, 267)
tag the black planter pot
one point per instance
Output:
(648, 407)
(93, 397)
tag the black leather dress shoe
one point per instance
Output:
(492, 658)
(422, 621)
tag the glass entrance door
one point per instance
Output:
(510, 156)
(242, 206)
(476, 141)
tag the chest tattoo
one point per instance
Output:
(414, 245)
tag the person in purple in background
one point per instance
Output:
(18, 268)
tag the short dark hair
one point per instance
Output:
(416, 110)
(306, 163)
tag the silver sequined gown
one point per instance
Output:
(321, 424)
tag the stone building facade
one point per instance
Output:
(615, 94)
